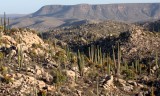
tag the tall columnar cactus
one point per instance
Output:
(156, 58)
(8, 24)
(126, 65)
(136, 66)
(100, 56)
(152, 91)
(34, 88)
(20, 56)
(1, 25)
(80, 62)
(68, 53)
(119, 61)
(133, 65)
(114, 58)
(1, 21)
(140, 68)
(91, 53)
(9, 58)
(95, 56)
(4, 23)
(108, 65)
(97, 80)
(117, 64)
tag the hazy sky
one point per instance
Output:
(30, 6)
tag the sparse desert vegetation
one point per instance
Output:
(106, 58)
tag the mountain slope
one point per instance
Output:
(152, 25)
(60, 15)
(135, 41)
(87, 33)
(123, 12)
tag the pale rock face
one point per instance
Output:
(17, 82)
(47, 76)
(25, 84)
(18, 75)
(38, 70)
(30, 38)
(145, 78)
(50, 88)
(7, 46)
(8, 40)
(85, 69)
(39, 51)
(79, 93)
(121, 81)
(108, 83)
(128, 88)
(155, 67)
(30, 80)
(36, 67)
(132, 82)
(41, 84)
(39, 73)
(129, 85)
(140, 85)
(1, 34)
(75, 69)
(23, 40)
(70, 74)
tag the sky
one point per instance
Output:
(30, 6)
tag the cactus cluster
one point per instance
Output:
(5, 24)
(80, 62)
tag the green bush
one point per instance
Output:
(1, 55)
(158, 73)
(42, 93)
(36, 45)
(33, 31)
(129, 74)
(14, 30)
(92, 74)
(59, 77)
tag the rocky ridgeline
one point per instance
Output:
(136, 44)
(135, 41)
(152, 26)
(140, 44)
(87, 33)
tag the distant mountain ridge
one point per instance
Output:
(123, 12)
(69, 13)
(13, 15)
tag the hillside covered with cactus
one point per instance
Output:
(127, 51)
(107, 58)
